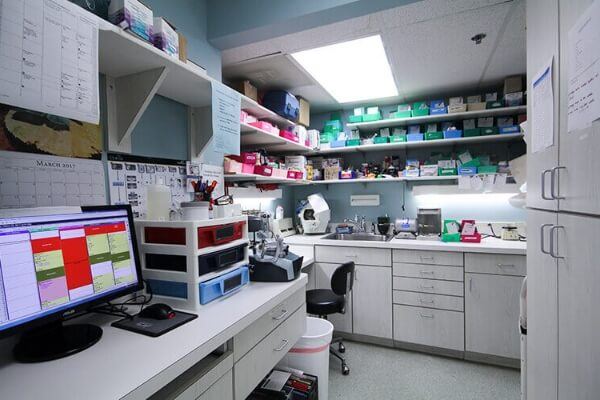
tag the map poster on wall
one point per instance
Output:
(41, 133)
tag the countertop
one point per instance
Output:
(487, 245)
(124, 363)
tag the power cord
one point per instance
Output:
(120, 309)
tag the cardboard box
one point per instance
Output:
(165, 37)
(132, 15)
(485, 122)
(429, 170)
(183, 53)
(474, 99)
(304, 116)
(504, 121)
(513, 99)
(469, 124)
(513, 84)
(457, 108)
(455, 100)
(476, 106)
(492, 96)
(246, 88)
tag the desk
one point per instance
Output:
(132, 366)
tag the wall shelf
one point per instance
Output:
(421, 144)
(229, 177)
(391, 122)
(263, 113)
(253, 138)
(296, 182)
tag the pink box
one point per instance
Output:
(263, 125)
(243, 116)
(263, 170)
(248, 168)
(294, 174)
(289, 135)
(245, 158)
(232, 166)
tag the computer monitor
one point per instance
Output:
(54, 266)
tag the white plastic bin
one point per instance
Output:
(311, 352)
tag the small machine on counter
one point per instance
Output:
(315, 215)
(405, 228)
(272, 262)
(429, 223)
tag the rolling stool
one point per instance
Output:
(323, 302)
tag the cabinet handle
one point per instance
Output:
(543, 185)
(552, 244)
(426, 302)
(506, 265)
(284, 343)
(427, 287)
(542, 247)
(430, 316)
(555, 184)
(426, 258)
(351, 255)
(427, 272)
(470, 284)
(280, 316)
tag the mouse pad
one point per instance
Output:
(154, 327)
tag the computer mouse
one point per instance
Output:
(158, 311)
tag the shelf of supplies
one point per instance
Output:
(422, 143)
(385, 180)
(260, 112)
(123, 54)
(252, 137)
(229, 177)
(391, 122)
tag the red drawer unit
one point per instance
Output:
(160, 235)
(219, 234)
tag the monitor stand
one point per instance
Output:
(56, 340)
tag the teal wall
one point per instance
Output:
(163, 129)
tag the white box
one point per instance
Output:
(132, 15)
(455, 100)
(165, 37)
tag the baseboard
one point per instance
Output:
(438, 351)
(493, 360)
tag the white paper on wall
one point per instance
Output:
(49, 58)
(34, 180)
(542, 108)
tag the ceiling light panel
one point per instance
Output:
(352, 71)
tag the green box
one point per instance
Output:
(447, 171)
(487, 169)
(326, 137)
(380, 140)
(352, 142)
(401, 114)
(371, 117)
(434, 135)
(494, 104)
(472, 132)
(450, 237)
(398, 138)
(353, 119)
(475, 162)
(489, 131)
(420, 109)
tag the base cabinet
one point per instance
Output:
(492, 314)
(372, 301)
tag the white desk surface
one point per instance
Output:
(487, 245)
(129, 364)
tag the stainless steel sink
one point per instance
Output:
(370, 237)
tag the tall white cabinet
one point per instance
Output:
(563, 256)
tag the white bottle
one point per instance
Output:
(158, 201)
(279, 212)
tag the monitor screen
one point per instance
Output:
(53, 263)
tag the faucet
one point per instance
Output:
(359, 223)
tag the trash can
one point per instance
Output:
(311, 352)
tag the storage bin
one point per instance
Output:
(494, 104)
(371, 117)
(279, 173)
(489, 131)
(474, 162)
(263, 125)
(462, 170)
(245, 158)
(420, 109)
(352, 142)
(476, 106)
(219, 234)
(434, 135)
(397, 138)
(282, 103)
(220, 259)
(292, 174)
(452, 134)
(263, 170)
(338, 143)
(355, 119)
(446, 171)
(414, 137)
(457, 108)
(472, 132)
(232, 166)
(437, 107)
(380, 140)
(401, 114)
(248, 168)
(289, 135)
(450, 237)
(509, 129)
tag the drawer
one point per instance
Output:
(438, 301)
(428, 257)
(360, 255)
(253, 367)
(429, 327)
(428, 271)
(249, 337)
(221, 390)
(498, 264)
(428, 286)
